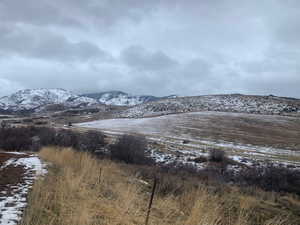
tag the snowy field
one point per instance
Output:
(246, 138)
(17, 174)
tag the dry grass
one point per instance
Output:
(81, 190)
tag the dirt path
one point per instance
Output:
(17, 174)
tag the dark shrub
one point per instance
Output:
(3, 124)
(28, 120)
(32, 138)
(185, 141)
(12, 139)
(66, 138)
(91, 141)
(47, 135)
(130, 149)
(200, 159)
(271, 178)
(41, 123)
(217, 156)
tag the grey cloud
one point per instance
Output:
(80, 13)
(185, 47)
(142, 59)
(266, 84)
(48, 46)
(34, 12)
(8, 87)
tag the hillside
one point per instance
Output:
(36, 99)
(120, 98)
(267, 105)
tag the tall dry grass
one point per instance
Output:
(82, 190)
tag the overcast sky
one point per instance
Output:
(159, 47)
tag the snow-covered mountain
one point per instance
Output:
(33, 100)
(120, 98)
(223, 103)
(36, 99)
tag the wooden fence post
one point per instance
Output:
(100, 175)
(151, 201)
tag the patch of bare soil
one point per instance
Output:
(17, 173)
(11, 176)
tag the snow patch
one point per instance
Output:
(12, 204)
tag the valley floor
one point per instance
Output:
(247, 138)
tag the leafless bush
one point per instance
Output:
(91, 141)
(27, 120)
(15, 139)
(217, 156)
(32, 138)
(46, 135)
(200, 159)
(130, 149)
(41, 123)
(66, 138)
(271, 178)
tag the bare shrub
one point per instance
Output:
(200, 159)
(23, 138)
(41, 123)
(32, 138)
(15, 139)
(217, 156)
(91, 141)
(66, 138)
(45, 134)
(130, 149)
(271, 178)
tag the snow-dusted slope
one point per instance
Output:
(222, 103)
(121, 98)
(35, 99)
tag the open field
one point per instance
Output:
(17, 173)
(246, 137)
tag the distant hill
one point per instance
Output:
(120, 98)
(36, 99)
(224, 103)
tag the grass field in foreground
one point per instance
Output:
(82, 190)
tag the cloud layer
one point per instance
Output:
(151, 47)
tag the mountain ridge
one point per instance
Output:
(253, 104)
(121, 98)
(34, 100)
(38, 100)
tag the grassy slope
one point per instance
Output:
(85, 191)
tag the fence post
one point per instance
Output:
(100, 175)
(151, 201)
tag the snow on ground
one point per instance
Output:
(173, 130)
(13, 198)
(7, 163)
(16, 153)
(224, 103)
